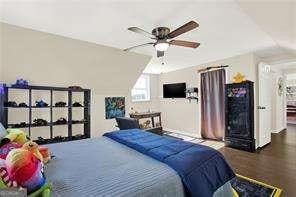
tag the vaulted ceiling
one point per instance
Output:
(276, 18)
(227, 28)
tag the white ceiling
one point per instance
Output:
(291, 76)
(225, 29)
(277, 18)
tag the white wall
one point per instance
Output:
(183, 116)
(47, 59)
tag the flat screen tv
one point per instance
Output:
(174, 90)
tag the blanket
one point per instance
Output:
(202, 169)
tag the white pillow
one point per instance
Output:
(3, 131)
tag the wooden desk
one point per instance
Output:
(152, 115)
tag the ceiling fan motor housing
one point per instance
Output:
(161, 32)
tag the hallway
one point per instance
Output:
(275, 164)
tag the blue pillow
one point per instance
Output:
(3, 131)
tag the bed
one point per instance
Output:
(104, 167)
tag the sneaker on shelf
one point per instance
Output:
(23, 105)
(77, 104)
(60, 104)
(41, 103)
(10, 104)
(61, 121)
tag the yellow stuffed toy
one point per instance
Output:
(238, 78)
(16, 135)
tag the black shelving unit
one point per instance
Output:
(4, 111)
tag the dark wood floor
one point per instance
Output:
(275, 164)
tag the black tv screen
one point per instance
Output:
(174, 90)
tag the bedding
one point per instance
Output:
(104, 167)
(202, 169)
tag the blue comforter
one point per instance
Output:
(202, 169)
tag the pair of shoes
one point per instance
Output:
(61, 121)
(41, 103)
(23, 105)
(20, 125)
(60, 104)
(41, 140)
(10, 104)
(39, 122)
(77, 104)
(75, 87)
(60, 139)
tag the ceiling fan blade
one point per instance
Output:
(183, 29)
(184, 43)
(160, 53)
(141, 31)
(141, 45)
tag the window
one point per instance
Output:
(141, 90)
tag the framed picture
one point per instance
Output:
(114, 107)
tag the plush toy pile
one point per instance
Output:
(21, 163)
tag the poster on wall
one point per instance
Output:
(114, 107)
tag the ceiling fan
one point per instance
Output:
(163, 36)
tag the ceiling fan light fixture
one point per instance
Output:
(162, 46)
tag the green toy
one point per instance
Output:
(44, 191)
(2, 184)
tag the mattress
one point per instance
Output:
(103, 167)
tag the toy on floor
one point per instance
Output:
(21, 164)
(15, 135)
(21, 83)
(7, 147)
(33, 148)
(45, 153)
(5, 180)
(25, 168)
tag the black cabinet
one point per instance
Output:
(239, 119)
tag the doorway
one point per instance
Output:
(291, 98)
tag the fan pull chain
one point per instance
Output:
(162, 60)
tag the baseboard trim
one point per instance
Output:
(279, 130)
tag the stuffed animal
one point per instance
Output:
(5, 180)
(6, 148)
(33, 148)
(15, 135)
(45, 153)
(25, 168)
(238, 78)
(21, 83)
